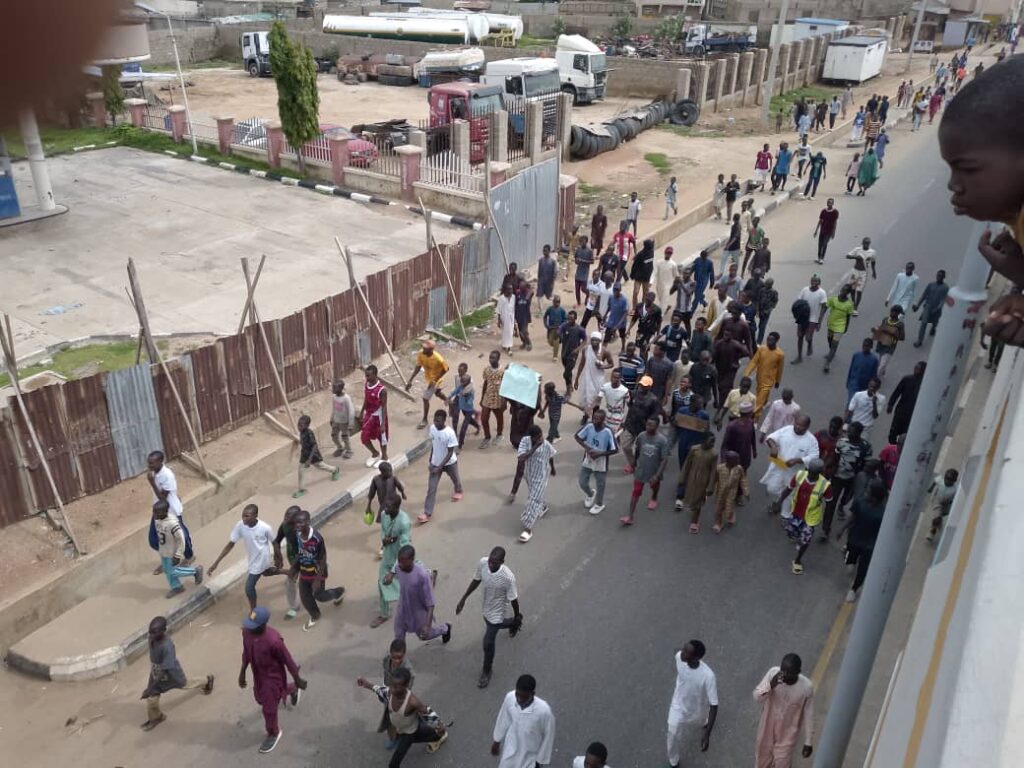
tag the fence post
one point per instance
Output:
(534, 130)
(275, 140)
(177, 113)
(418, 138)
(136, 111)
(499, 173)
(746, 65)
(410, 158)
(565, 122)
(499, 136)
(225, 132)
(760, 64)
(460, 142)
(785, 52)
(703, 75)
(721, 70)
(683, 77)
(97, 107)
(339, 158)
(734, 72)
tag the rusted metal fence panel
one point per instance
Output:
(378, 293)
(269, 395)
(45, 408)
(343, 333)
(240, 372)
(15, 501)
(567, 213)
(476, 268)
(452, 255)
(134, 420)
(422, 282)
(211, 386)
(318, 345)
(172, 425)
(402, 311)
(293, 347)
(88, 428)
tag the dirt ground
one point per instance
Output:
(721, 142)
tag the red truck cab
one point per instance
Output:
(473, 102)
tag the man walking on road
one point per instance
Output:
(524, 733)
(933, 299)
(904, 288)
(443, 460)
(767, 364)
(787, 706)
(596, 757)
(791, 449)
(694, 700)
(434, 368)
(499, 595)
(374, 415)
(598, 443)
(165, 673)
(416, 599)
(814, 297)
(863, 368)
(811, 491)
(258, 538)
(264, 650)
(825, 229)
(311, 570)
(165, 488)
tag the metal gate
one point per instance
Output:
(525, 209)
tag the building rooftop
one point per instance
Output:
(860, 41)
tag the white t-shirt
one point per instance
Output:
(498, 590)
(814, 300)
(696, 691)
(868, 254)
(165, 481)
(440, 441)
(633, 210)
(614, 404)
(257, 543)
(580, 762)
(861, 410)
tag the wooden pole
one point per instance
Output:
(140, 310)
(501, 240)
(7, 339)
(369, 310)
(273, 369)
(250, 285)
(447, 276)
(156, 357)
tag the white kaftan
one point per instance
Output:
(527, 735)
(507, 314)
(791, 446)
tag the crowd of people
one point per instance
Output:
(669, 389)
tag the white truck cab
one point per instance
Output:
(256, 53)
(523, 77)
(582, 68)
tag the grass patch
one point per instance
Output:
(527, 41)
(57, 141)
(76, 362)
(660, 162)
(476, 319)
(815, 93)
(211, 64)
(589, 194)
(692, 130)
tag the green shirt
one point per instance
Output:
(839, 312)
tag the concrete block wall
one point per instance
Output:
(196, 43)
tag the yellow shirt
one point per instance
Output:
(768, 365)
(735, 399)
(434, 367)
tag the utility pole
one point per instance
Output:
(939, 390)
(773, 63)
(917, 33)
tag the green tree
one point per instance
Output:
(669, 30)
(298, 100)
(113, 93)
(558, 27)
(622, 28)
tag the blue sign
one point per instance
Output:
(9, 207)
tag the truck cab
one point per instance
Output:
(582, 68)
(523, 78)
(256, 54)
(473, 102)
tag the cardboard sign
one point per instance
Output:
(520, 383)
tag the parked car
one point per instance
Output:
(362, 153)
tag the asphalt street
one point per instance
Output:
(605, 606)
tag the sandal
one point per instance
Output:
(377, 621)
(716, 529)
(436, 745)
(626, 520)
(694, 528)
(421, 519)
(652, 504)
(798, 569)
(525, 536)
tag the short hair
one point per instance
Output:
(598, 750)
(156, 455)
(793, 660)
(774, 334)
(441, 413)
(384, 465)
(161, 504)
(398, 645)
(401, 675)
(251, 508)
(699, 649)
(534, 430)
(526, 684)
(407, 550)
(992, 99)
(158, 624)
(371, 367)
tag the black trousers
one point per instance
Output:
(862, 557)
(313, 592)
(842, 491)
(405, 741)
(823, 241)
(490, 635)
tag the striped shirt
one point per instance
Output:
(499, 590)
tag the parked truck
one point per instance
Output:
(582, 68)
(256, 53)
(523, 80)
(704, 38)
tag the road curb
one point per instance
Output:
(110, 660)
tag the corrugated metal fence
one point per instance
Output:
(97, 431)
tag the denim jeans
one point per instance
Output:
(599, 481)
(175, 572)
(490, 634)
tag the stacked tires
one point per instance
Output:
(395, 74)
(587, 142)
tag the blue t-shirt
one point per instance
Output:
(554, 317)
(863, 368)
(782, 161)
(597, 440)
(618, 308)
(673, 341)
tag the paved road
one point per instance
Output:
(605, 607)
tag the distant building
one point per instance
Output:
(692, 8)
(764, 13)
